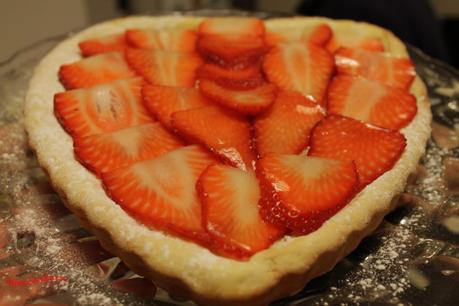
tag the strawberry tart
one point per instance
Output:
(230, 160)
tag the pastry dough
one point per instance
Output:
(185, 268)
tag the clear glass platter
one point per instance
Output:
(46, 257)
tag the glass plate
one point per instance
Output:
(47, 257)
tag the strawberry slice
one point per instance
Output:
(94, 70)
(377, 66)
(286, 126)
(374, 150)
(246, 78)
(102, 108)
(232, 26)
(221, 131)
(161, 192)
(301, 67)
(229, 198)
(163, 101)
(113, 150)
(231, 41)
(249, 101)
(232, 51)
(302, 192)
(177, 40)
(104, 44)
(164, 68)
(371, 102)
(319, 35)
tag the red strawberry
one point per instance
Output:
(377, 66)
(221, 131)
(230, 50)
(94, 70)
(374, 150)
(285, 127)
(102, 108)
(231, 41)
(163, 101)
(249, 101)
(229, 198)
(302, 192)
(246, 78)
(232, 26)
(319, 35)
(301, 67)
(161, 192)
(164, 68)
(177, 40)
(103, 45)
(371, 102)
(113, 150)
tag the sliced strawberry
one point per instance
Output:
(319, 35)
(103, 45)
(232, 41)
(249, 101)
(377, 66)
(301, 67)
(94, 70)
(232, 50)
(164, 68)
(371, 102)
(113, 150)
(161, 192)
(232, 26)
(177, 40)
(302, 192)
(285, 127)
(221, 131)
(245, 78)
(374, 150)
(102, 108)
(229, 197)
(163, 101)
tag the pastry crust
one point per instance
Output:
(185, 268)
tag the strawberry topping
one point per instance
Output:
(285, 127)
(241, 79)
(103, 45)
(249, 101)
(165, 68)
(102, 108)
(377, 66)
(374, 150)
(371, 102)
(161, 192)
(223, 132)
(163, 101)
(225, 89)
(94, 70)
(113, 150)
(231, 41)
(301, 192)
(176, 40)
(301, 67)
(231, 215)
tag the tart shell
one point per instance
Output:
(184, 268)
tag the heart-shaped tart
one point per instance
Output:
(230, 160)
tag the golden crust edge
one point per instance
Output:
(281, 270)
